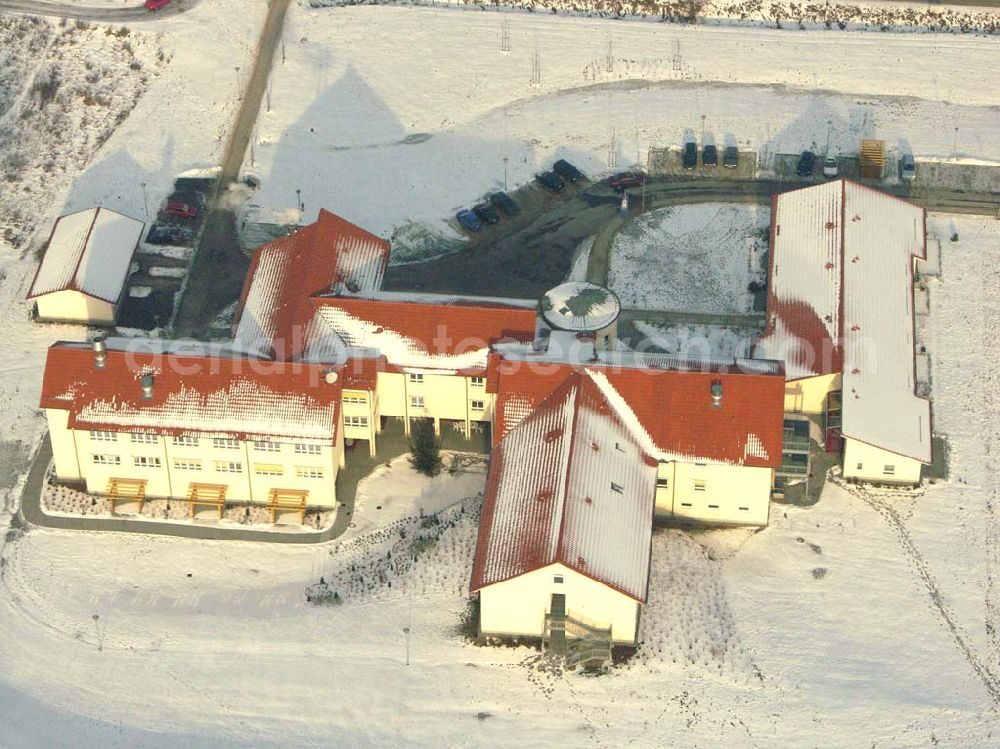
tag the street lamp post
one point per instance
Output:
(703, 129)
(829, 124)
(239, 84)
(406, 631)
(145, 201)
(505, 173)
(954, 146)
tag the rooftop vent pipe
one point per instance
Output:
(147, 386)
(100, 352)
(717, 394)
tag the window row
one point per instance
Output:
(417, 402)
(888, 469)
(417, 378)
(220, 466)
(356, 421)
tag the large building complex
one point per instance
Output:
(591, 441)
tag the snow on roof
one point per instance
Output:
(570, 485)
(89, 251)
(210, 394)
(841, 301)
(580, 306)
(330, 254)
(453, 335)
(672, 408)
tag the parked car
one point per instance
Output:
(567, 171)
(627, 180)
(830, 167)
(156, 4)
(505, 203)
(689, 159)
(908, 167)
(710, 155)
(731, 157)
(180, 210)
(551, 180)
(468, 220)
(807, 162)
(486, 213)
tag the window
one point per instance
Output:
(713, 507)
(477, 382)
(699, 485)
(478, 405)
(187, 464)
(308, 472)
(619, 448)
(356, 421)
(700, 464)
(141, 461)
(228, 466)
(268, 469)
(744, 509)
(557, 579)
(417, 401)
(185, 441)
(618, 488)
(265, 446)
(859, 466)
(303, 449)
(889, 470)
(143, 439)
(416, 379)
(103, 436)
(106, 460)
(355, 399)
(685, 504)
(662, 483)
(221, 443)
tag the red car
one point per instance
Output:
(626, 180)
(156, 4)
(180, 210)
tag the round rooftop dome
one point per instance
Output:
(579, 306)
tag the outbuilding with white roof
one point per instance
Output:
(83, 274)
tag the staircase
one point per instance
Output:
(579, 642)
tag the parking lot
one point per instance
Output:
(179, 219)
(785, 164)
(668, 162)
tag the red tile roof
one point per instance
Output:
(674, 408)
(570, 484)
(452, 333)
(331, 254)
(206, 393)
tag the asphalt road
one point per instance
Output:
(216, 275)
(134, 13)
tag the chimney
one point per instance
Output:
(717, 394)
(147, 386)
(100, 352)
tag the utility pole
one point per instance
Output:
(145, 201)
(829, 124)
(239, 85)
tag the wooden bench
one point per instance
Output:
(133, 490)
(288, 500)
(213, 495)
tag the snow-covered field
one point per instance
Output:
(699, 340)
(691, 258)
(838, 625)
(387, 133)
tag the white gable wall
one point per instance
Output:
(72, 306)
(517, 607)
(713, 493)
(866, 462)
(63, 445)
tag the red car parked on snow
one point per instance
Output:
(622, 182)
(180, 210)
(156, 4)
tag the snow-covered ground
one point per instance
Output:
(387, 133)
(691, 258)
(699, 340)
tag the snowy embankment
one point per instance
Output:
(691, 258)
(699, 340)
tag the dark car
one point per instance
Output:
(710, 155)
(505, 203)
(627, 180)
(731, 157)
(551, 180)
(468, 220)
(807, 162)
(690, 157)
(566, 170)
(486, 213)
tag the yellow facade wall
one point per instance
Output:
(517, 607)
(63, 445)
(808, 395)
(72, 306)
(866, 462)
(713, 494)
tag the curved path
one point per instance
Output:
(136, 12)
